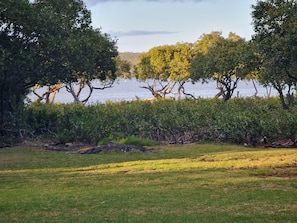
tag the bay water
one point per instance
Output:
(131, 89)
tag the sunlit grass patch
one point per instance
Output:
(229, 160)
(196, 183)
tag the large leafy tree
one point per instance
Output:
(17, 58)
(48, 42)
(165, 67)
(87, 54)
(207, 41)
(275, 25)
(153, 67)
(180, 66)
(91, 58)
(225, 60)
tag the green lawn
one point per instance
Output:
(194, 183)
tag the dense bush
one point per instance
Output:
(240, 120)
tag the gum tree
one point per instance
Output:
(17, 58)
(180, 66)
(47, 42)
(164, 68)
(225, 60)
(275, 25)
(85, 53)
(154, 69)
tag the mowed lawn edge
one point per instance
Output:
(193, 183)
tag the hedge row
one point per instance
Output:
(240, 120)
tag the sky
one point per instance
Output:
(139, 25)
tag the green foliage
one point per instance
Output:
(129, 140)
(240, 120)
(47, 42)
(133, 140)
(276, 40)
(224, 60)
(167, 66)
(123, 68)
(114, 137)
(16, 62)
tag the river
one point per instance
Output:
(129, 89)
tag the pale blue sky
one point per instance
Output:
(140, 25)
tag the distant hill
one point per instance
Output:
(131, 57)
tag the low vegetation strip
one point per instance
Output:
(250, 121)
(193, 183)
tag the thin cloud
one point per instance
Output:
(95, 2)
(140, 33)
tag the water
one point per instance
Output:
(127, 90)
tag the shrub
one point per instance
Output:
(239, 120)
(129, 140)
(133, 140)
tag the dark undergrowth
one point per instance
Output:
(239, 120)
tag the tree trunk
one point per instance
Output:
(179, 90)
(282, 98)
(72, 92)
(222, 91)
(256, 90)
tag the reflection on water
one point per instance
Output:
(127, 90)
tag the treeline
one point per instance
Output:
(240, 120)
(52, 44)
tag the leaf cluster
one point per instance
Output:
(223, 57)
(165, 62)
(226, 60)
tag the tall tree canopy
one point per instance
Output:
(226, 60)
(275, 25)
(166, 66)
(47, 42)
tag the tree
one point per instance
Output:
(207, 41)
(275, 25)
(87, 54)
(48, 42)
(154, 67)
(226, 60)
(123, 68)
(166, 67)
(253, 60)
(17, 59)
(92, 58)
(180, 66)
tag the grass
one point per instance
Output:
(194, 183)
(130, 140)
(133, 140)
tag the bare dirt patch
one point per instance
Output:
(112, 147)
(284, 143)
(81, 148)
